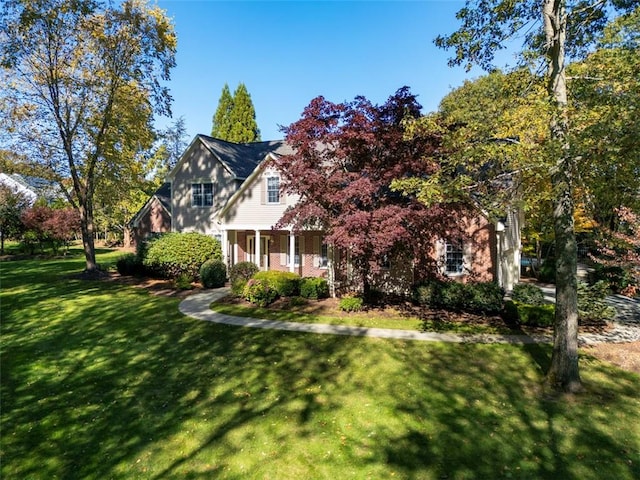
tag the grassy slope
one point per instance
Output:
(104, 381)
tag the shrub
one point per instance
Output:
(533, 315)
(453, 296)
(287, 284)
(237, 287)
(528, 293)
(314, 287)
(350, 303)
(183, 282)
(259, 292)
(129, 264)
(483, 297)
(242, 271)
(174, 254)
(427, 294)
(591, 303)
(213, 274)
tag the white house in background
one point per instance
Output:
(18, 186)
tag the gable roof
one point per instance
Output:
(250, 180)
(163, 195)
(240, 159)
(18, 186)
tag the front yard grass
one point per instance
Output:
(102, 380)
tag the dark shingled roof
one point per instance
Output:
(164, 195)
(242, 158)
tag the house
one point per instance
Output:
(227, 190)
(153, 217)
(19, 186)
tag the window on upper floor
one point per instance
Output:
(273, 189)
(202, 194)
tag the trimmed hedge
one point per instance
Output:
(314, 288)
(481, 297)
(174, 254)
(213, 274)
(533, 315)
(287, 284)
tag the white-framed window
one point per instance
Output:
(273, 189)
(323, 259)
(453, 258)
(202, 194)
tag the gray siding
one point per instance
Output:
(200, 166)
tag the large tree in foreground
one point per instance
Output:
(551, 30)
(81, 85)
(347, 156)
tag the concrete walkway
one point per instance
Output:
(626, 328)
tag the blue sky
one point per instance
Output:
(288, 52)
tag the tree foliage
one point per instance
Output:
(347, 156)
(552, 31)
(12, 204)
(82, 83)
(235, 117)
(45, 226)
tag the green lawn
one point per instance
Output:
(104, 381)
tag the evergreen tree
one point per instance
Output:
(243, 117)
(222, 119)
(235, 117)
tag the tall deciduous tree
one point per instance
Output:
(82, 83)
(235, 117)
(346, 158)
(553, 30)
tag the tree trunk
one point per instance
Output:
(563, 374)
(86, 225)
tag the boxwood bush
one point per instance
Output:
(314, 288)
(213, 274)
(175, 254)
(287, 284)
(480, 297)
(525, 314)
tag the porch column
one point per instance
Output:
(225, 247)
(257, 248)
(235, 247)
(292, 252)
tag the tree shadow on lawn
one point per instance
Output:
(494, 420)
(121, 385)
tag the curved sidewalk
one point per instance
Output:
(198, 306)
